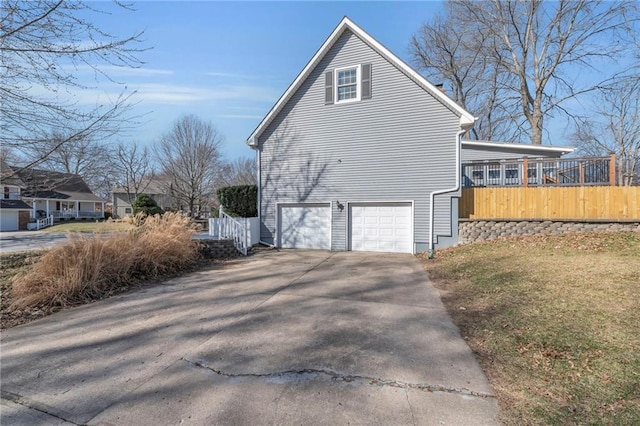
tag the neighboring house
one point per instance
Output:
(61, 195)
(14, 213)
(156, 188)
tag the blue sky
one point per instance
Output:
(229, 62)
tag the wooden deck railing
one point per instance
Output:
(544, 202)
(540, 172)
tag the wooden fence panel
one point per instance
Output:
(574, 203)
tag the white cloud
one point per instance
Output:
(232, 75)
(165, 94)
(241, 116)
(172, 94)
(115, 71)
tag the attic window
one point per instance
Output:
(348, 84)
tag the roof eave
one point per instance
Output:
(252, 140)
(518, 146)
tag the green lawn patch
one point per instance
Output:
(94, 227)
(554, 321)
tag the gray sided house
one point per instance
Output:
(157, 188)
(360, 153)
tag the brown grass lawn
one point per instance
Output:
(10, 265)
(554, 322)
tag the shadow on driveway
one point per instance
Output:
(281, 337)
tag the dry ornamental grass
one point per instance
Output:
(91, 267)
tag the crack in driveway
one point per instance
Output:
(311, 373)
(37, 406)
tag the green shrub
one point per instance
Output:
(147, 205)
(239, 200)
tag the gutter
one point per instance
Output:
(458, 167)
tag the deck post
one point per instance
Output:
(612, 170)
(581, 173)
(525, 172)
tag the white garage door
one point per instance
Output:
(8, 221)
(305, 226)
(381, 227)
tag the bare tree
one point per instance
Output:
(190, 155)
(8, 156)
(457, 53)
(42, 45)
(536, 48)
(241, 171)
(79, 156)
(131, 168)
(615, 127)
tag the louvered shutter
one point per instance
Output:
(366, 81)
(328, 87)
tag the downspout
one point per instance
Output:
(444, 191)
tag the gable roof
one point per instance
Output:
(14, 205)
(156, 185)
(466, 118)
(54, 185)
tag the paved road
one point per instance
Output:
(291, 337)
(29, 240)
(37, 240)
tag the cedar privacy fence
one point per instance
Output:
(614, 203)
(580, 189)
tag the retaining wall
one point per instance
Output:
(218, 249)
(470, 231)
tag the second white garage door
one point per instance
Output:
(305, 226)
(381, 227)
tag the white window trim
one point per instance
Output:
(358, 84)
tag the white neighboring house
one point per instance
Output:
(14, 213)
(63, 196)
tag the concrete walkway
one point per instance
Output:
(291, 337)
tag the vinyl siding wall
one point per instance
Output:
(397, 146)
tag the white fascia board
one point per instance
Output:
(252, 140)
(466, 119)
(518, 146)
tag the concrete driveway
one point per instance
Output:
(291, 337)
